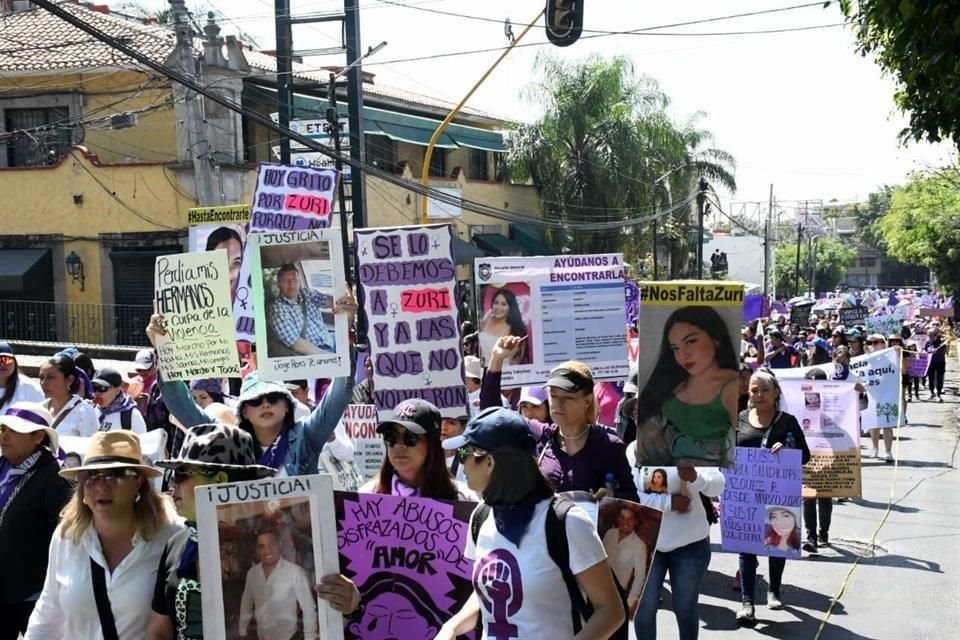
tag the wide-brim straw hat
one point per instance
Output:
(113, 450)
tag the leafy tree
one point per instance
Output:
(832, 258)
(917, 42)
(923, 224)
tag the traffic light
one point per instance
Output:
(564, 21)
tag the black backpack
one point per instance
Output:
(559, 549)
(126, 420)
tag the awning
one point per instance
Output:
(498, 245)
(397, 126)
(465, 253)
(16, 266)
(529, 238)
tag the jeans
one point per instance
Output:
(813, 506)
(687, 566)
(748, 575)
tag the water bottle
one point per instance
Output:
(790, 442)
(610, 482)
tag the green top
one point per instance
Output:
(710, 421)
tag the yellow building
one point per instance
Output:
(97, 171)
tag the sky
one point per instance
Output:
(802, 111)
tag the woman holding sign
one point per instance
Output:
(265, 410)
(764, 425)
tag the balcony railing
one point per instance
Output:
(66, 323)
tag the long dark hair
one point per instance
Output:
(221, 235)
(516, 479)
(436, 479)
(667, 374)
(10, 387)
(514, 318)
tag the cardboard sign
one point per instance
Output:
(274, 524)
(852, 316)
(360, 423)
(192, 292)
(918, 365)
(405, 555)
(407, 286)
(828, 413)
(629, 534)
(689, 335)
(297, 277)
(568, 307)
(761, 504)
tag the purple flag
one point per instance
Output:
(753, 307)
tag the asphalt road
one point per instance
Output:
(907, 587)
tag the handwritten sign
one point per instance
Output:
(203, 222)
(800, 314)
(762, 501)
(360, 423)
(852, 316)
(828, 413)
(405, 554)
(232, 521)
(884, 325)
(192, 292)
(918, 365)
(407, 285)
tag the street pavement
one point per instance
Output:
(907, 587)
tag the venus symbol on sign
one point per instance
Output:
(427, 380)
(393, 309)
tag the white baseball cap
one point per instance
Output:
(472, 367)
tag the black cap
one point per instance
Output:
(416, 416)
(107, 377)
(495, 428)
(570, 379)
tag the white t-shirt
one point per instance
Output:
(27, 391)
(113, 422)
(79, 418)
(521, 589)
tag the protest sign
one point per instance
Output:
(568, 307)
(297, 276)
(928, 312)
(828, 413)
(192, 292)
(343, 473)
(884, 325)
(274, 525)
(405, 554)
(689, 337)
(285, 199)
(756, 306)
(852, 316)
(879, 373)
(661, 480)
(153, 447)
(360, 423)
(629, 534)
(632, 296)
(204, 224)
(918, 365)
(903, 311)
(761, 504)
(800, 314)
(407, 287)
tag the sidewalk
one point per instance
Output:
(907, 588)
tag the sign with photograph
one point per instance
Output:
(405, 554)
(567, 307)
(297, 277)
(688, 367)
(269, 541)
(407, 286)
(204, 223)
(629, 534)
(828, 413)
(192, 292)
(761, 505)
(360, 423)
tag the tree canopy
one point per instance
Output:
(832, 258)
(917, 42)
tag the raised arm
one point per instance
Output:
(176, 395)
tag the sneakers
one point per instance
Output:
(889, 457)
(746, 616)
(939, 398)
(823, 540)
(774, 603)
(810, 545)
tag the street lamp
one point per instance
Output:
(75, 268)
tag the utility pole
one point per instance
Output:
(655, 265)
(284, 55)
(355, 111)
(198, 147)
(796, 286)
(701, 210)
(766, 248)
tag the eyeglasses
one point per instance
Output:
(7, 360)
(409, 439)
(182, 475)
(469, 451)
(273, 398)
(110, 476)
(99, 389)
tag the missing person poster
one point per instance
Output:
(192, 292)
(360, 423)
(629, 534)
(828, 413)
(405, 554)
(286, 198)
(407, 286)
(567, 308)
(297, 277)
(689, 363)
(264, 545)
(204, 226)
(761, 505)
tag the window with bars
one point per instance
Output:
(36, 147)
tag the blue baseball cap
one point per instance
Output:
(495, 428)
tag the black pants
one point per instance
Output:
(14, 618)
(811, 508)
(935, 376)
(912, 385)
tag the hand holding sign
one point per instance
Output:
(156, 330)
(347, 304)
(340, 592)
(504, 350)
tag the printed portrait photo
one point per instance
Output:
(268, 569)
(298, 287)
(230, 238)
(782, 530)
(661, 480)
(811, 400)
(629, 533)
(505, 310)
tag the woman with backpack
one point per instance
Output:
(537, 558)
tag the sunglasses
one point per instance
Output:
(409, 439)
(468, 451)
(273, 398)
(7, 360)
(110, 476)
(182, 475)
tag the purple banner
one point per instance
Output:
(632, 295)
(754, 307)
(406, 557)
(760, 508)
(918, 365)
